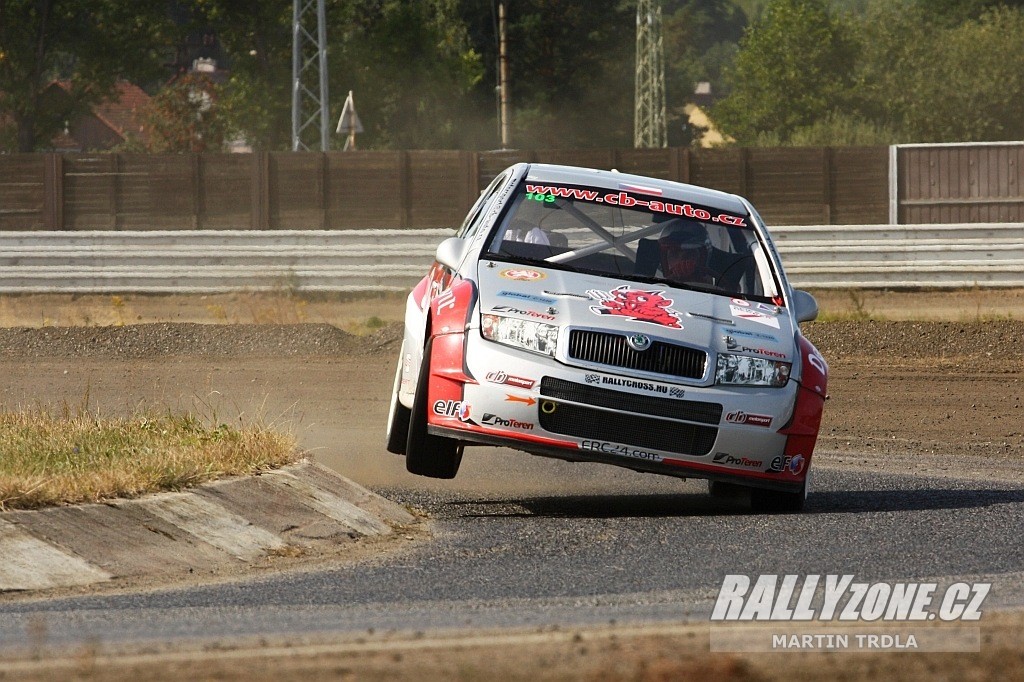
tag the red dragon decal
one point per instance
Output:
(636, 304)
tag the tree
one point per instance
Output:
(792, 68)
(960, 82)
(411, 66)
(184, 117)
(89, 43)
(258, 39)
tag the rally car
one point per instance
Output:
(592, 315)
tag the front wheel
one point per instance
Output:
(398, 417)
(426, 454)
(776, 502)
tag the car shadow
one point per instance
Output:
(697, 505)
(915, 499)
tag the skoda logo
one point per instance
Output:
(639, 341)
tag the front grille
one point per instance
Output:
(641, 432)
(661, 358)
(690, 410)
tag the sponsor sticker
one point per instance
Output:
(501, 377)
(452, 408)
(623, 450)
(526, 297)
(726, 458)
(742, 313)
(635, 384)
(494, 420)
(733, 345)
(520, 311)
(752, 335)
(794, 464)
(740, 417)
(636, 304)
(522, 274)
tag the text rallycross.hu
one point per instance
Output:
(838, 597)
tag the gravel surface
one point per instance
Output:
(204, 340)
(887, 341)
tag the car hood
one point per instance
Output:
(572, 299)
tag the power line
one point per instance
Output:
(649, 127)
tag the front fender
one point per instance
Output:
(450, 314)
(802, 429)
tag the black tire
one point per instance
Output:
(777, 502)
(426, 454)
(725, 491)
(398, 417)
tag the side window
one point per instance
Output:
(474, 219)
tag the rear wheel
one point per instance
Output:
(426, 454)
(398, 417)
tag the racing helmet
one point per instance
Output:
(684, 248)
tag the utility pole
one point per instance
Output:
(649, 127)
(502, 76)
(309, 76)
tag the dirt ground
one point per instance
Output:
(937, 374)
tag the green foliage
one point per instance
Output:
(256, 100)
(89, 43)
(409, 65)
(572, 73)
(184, 117)
(792, 69)
(801, 72)
(836, 130)
(954, 82)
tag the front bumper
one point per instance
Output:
(529, 402)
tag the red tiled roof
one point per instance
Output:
(119, 113)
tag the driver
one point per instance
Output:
(685, 249)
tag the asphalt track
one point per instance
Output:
(648, 550)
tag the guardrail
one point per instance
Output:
(823, 257)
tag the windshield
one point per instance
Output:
(634, 235)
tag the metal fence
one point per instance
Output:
(815, 256)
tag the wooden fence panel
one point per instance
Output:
(860, 185)
(492, 163)
(789, 186)
(22, 192)
(961, 183)
(155, 192)
(603, 159)
(364, 189)
(420, 189)
(226, 188)
(437, 193)
(90, 191)
(721, 169)
(297, 186)
(656, 163)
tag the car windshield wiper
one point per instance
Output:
(523, 260)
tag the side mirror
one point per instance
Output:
(451, 252)
(804, 306)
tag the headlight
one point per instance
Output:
(535, 337)
(744, 370)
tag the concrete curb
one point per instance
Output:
(302, 507)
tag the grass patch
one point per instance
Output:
(53, 459)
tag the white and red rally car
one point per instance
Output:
(597, 316)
